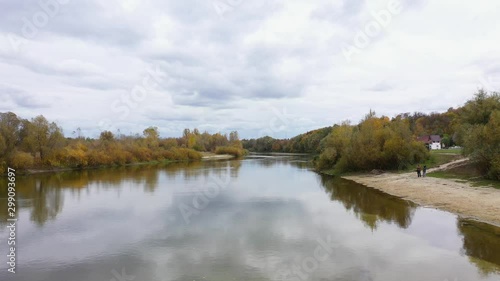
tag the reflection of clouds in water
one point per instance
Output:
(258, 236)
(268, 221)
(427, 222)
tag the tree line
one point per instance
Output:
(38, 143)
(380, 142)
(303, 143)
(374, 143)
(377, 142)
(443, 124)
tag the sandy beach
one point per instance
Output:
(479, 203)
(210, 156)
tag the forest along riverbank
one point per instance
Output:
(480, 203)
(206, 156)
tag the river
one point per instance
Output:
(261, 218)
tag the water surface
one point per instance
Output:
(261, 218)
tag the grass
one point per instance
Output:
(466, 173)
(447, 151)
(463, 174)
(438, 158)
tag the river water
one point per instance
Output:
(260, 218)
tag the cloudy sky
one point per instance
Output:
(274, 68)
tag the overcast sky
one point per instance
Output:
(261, 67)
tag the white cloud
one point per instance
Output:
(235, 71)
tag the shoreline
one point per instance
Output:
(458, 197)
(211, 156)
(208, 157)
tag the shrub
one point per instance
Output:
(98, 158)
(74, 156)
(494, 169)
(327, 159)
(185, 154)
(235, 151)
(22, 160)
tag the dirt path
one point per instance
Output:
(480, 203)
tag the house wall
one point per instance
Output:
(435, 145)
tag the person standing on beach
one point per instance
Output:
(424, 171)
(418, 171)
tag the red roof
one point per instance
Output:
(429, 138)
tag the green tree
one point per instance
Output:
(478, 110)
(482, 145)
(479, 132)
(447, 141)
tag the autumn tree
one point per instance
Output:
(168, 143)
(334, 145)
(42, 138)
(75, 155)
(375, 143)
(234, 139)
(106, 136)
(9, 134)
(152, 136)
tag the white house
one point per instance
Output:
(431, 141)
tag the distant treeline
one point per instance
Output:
(374, 143)
(390, 143)
(38, 143)
(304, 143)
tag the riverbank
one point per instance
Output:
(206, 156)
(459, 197)
(33, 171)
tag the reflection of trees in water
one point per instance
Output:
(299, 161)
(44, 200)
(46, 204)
(481, 242)
(370, 205)
(43, 193)
(197, 170)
